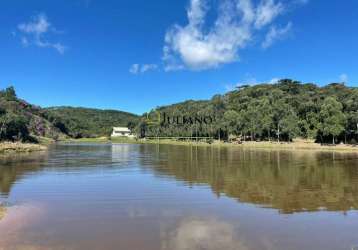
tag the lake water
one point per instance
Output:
(165, 197)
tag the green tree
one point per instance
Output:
(332, 119)
(310, 124)
(231, 118)
(289, 124)
(252, 119)
(266, 116)
(13, 127)
(279, 111)
(10, 93)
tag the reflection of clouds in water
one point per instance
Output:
(199, 234)
(15, 222)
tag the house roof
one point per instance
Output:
(121, 129)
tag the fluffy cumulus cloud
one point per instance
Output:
(198, 46)
(35, 31)
(138, 69)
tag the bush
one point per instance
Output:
(13, 127)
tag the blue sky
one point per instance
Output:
(136, 55)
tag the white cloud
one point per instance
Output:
(197, 234)
(198, 47)
(343, 78)
(148, 67)
(134, 69)
(137, 68)
(38, 26)
(266, 12)
(275, 34)
(34, 31)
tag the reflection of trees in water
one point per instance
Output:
(15, 167)
(286, 180)
(76, 158)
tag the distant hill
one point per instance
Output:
(87, 122)
(20, 120)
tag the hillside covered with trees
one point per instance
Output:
(21, 121)
(281, 112)
(86, 122)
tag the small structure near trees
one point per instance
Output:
(122, 132)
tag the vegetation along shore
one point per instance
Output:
(263, 115)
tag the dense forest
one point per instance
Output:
(281, 112)
(86, 122)
(21, 121)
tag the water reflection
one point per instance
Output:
(87, 196)
(197, 234)
(286, 180)
(15, 167)
(291, 181)
(15, 223)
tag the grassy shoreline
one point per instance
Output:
(18, 147)
(297, 144)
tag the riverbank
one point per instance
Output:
(297, 144)
(300, 145)
(18, 147)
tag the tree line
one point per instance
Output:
(265, 112)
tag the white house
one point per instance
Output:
(122, 132)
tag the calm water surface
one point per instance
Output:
(151, 197)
